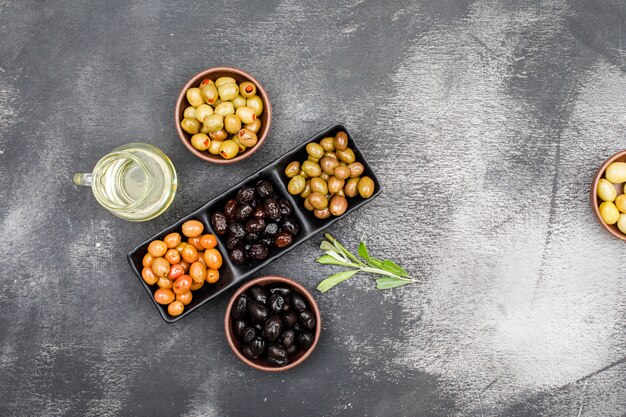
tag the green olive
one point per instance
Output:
(346, 155)
(330, 154)
(246, 114)
(315, 150)
(609, 213)
(232, 124)
(292, 169)
(356, 169)
(247, 89)
(255, 126)
(313, 159)
(341, 193)
(615, 172)
(204, 82)
(341, 141)
(203, 111)
(238, 101)
(241, 147)
(342, 172)
(312, 169)
(335, 184)
(318, 201)
(606, 190)
(228, 91)
(190, 125)
(328, 144)
(203, 129)
(190, 112)
(338, 205)
(247, 138)
(225, 108)
(229, 149)
(219, 135)
(318, 185)
(214, 122)
(214, 147)
(308, 205)
(307, 189)
(296, 185)
(256, 104)
(324, 176)
(366, 188)
(209, 94)
(194, 97)
(351, 188)
(224, 80)
(621, 223)
(200, 141)
(322, 214)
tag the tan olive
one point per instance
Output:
(238, 101)
(209, 94)
(232, 124)
(219, 135)
(224, 80)
(318, 201)
(351, 187)
(338, 205)
(296, 185)
(247, 89)
(346, 155)
(214, 122)
(312, 169)
(228, 91)
(322, 214)
(328, 144)
(366, 187)
(315, 150)
(255, 126)
(189, 125)
(194, 97)
(318, 185)
(292, 169)
(203, 111)
(256, 104)
(356, 169)
(164, 295)
(342, 172)
(190, 112)
(246, 114)
(331, 154)
(341, 141)
(308, 205)
(225, 108)
(307, 189)
(247, 138)
(335, 184)
(200, 141)
(214, 147)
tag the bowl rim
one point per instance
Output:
(264, 129)
(593, 194)
(269, 279)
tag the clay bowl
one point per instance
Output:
(213, 74)
(595, 201)
(261, 364)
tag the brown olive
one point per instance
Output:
(328, 164)
(351, 187)
(197, 272)
(330, 154)
(296, 185)
(185, 297)
(213, 258)
(356, 169)
(172, 240)
(157, 248)
(341, 141)
(328, 144)
(338, 205)
(318, 185)
(322, 214)
(335, 184)
(175, 271)
(148, 276)
(307, 189)
(247, 138)
(164, 296)
(341, 193)
(308, 205)
(160, 267)
(325, 176)
(147, 260)
(346, 155)
(342, 172)
(195, 242)
(172, 256)
(315, 150)
(317, 201)
(180, 247)
(218, 135)
(192, 228)
(189, 254)
(182, 284)
(312, 169)
(366, 187)
(292, 169)
(175, 308)
(164, 283)
(196, 286)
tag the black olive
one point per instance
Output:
(248, 335)
(298, 327)
(244, 211)
(307, 319)
(246, 247)
(240, 307)
(290, 319)
(276, 302)
(230, 209)
(292, 350)
(258, 251)
(276, 352)
(257, 311)
(246, 195)
(283, 240)
(290, 225)
(239, 326)
(264, 188)
(238, 256)
(271, 229)
(255, 225)
(258, 327)
(218, 219)
(305, 340)
(298, 302)
(287, 338)
(287, 307)
(272, 209)
(272, 329)
(277, 362)
(258, 294)
(285, 207)
(258, 213)
(247, 352)
(237, 230)
(253, 237)
(284, 291)
(257, 346)
(267, 241)
(232, 242)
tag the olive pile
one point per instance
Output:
(274, 324)
(254, 221)
(178, 267)
(328, 176)
(613, 206)
(223, 116)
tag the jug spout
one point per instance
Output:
(83, 179)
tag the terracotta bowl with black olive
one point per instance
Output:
(272, 323)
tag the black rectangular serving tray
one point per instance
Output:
(231, 274)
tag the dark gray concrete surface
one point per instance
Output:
(485, 121)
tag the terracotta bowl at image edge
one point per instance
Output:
(265, 281)
(213, 74)
(595, 201)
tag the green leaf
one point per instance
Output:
(363, 251)
(326, 245)
(386, 283)
(392, 267)
(335, 279)
(329, 260)
(375, 262)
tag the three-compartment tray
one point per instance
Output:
(231, 274)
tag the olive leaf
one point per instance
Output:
(331, 260)
(386, 283)
(335, 279)
(362, 251)
(391, 266)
